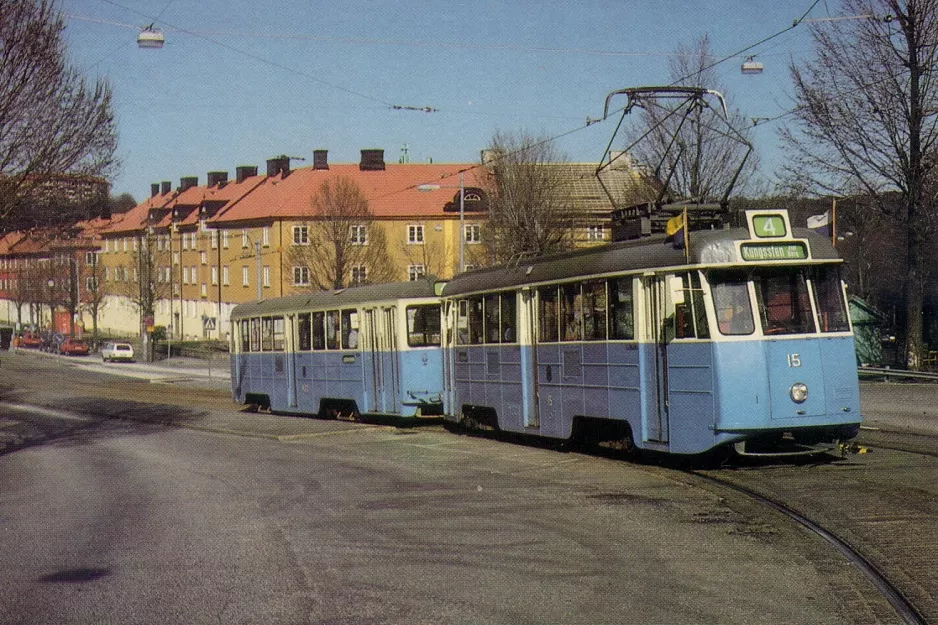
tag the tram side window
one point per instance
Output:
(547, 314)
(700, 308)
(267, 334)
(476, 328)
(349, 329)
(319, 330)
(255, 334)
(620, 309)
(462, 322)
(829, 295)
(509, 331)
(245, 326)
(332, 329)
(594, 311)
(491, 318)
(304, 332)
(731, 304)
(571, 312)
(783, 302)
(683, 313)
(423, 325)
(278, 333)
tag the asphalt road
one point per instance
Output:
(108, 518)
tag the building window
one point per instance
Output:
(224, 275)
(175, 258)
(595, 233)
(224, 239)
(359, 274)
(89, 258)
(185, 275)
(266, 273)
(301, 276)
(358, 235)
(214, 239)
(300, 235)
(107, 245)
(244, 237)
(204, 290)
(472, 233)
(125, 244)
(245, 276)
(265, 236)
(214, 275)
(415, 272)
(194, 275)
(203, 256)
(415, 234)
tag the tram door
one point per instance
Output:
(380, 350)
(659, 321)
(391, 361)
(372, 355)
(528, 337)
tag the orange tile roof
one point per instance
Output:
(136, 218)
(391, 192)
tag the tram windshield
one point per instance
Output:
(782, 301)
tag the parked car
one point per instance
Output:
(73, 347)
(30, 340)
(117, 351)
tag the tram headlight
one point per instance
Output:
(798, 392)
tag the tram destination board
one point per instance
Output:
(774, 251)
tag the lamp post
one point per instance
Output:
(462, 207)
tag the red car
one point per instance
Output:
(29, 340)
(73, 347)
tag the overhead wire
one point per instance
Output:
(359, 94)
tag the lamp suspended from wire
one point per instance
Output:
(751, 66)
(150, 37)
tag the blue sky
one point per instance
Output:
(241, 81)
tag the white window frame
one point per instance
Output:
(224, 275)
(245, 276)
(265, 236)
(415, 234)
(300, 235)
(358, 234)
(265, 272)
(359, 274)
(300, 276)
(416, 271)
(472, 234)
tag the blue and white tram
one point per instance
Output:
(370, 349)
(743, 338)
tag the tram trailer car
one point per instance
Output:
(741, 339)
(371, 349)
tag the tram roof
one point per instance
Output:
(707, 248)
(338, 298)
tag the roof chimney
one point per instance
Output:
(320, 159)
(243, 172)
(187, 182)
(372, 160)
(217, 178)
(278, 165)
(154, 189)
(165, 187)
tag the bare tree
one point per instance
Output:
(142, 281)
(702, 150)
(343, 237)
(96, 292)
(867, 118)
(530, 210)
(51, 121)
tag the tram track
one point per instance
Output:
(904, 608)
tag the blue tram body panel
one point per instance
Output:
(750, 400)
